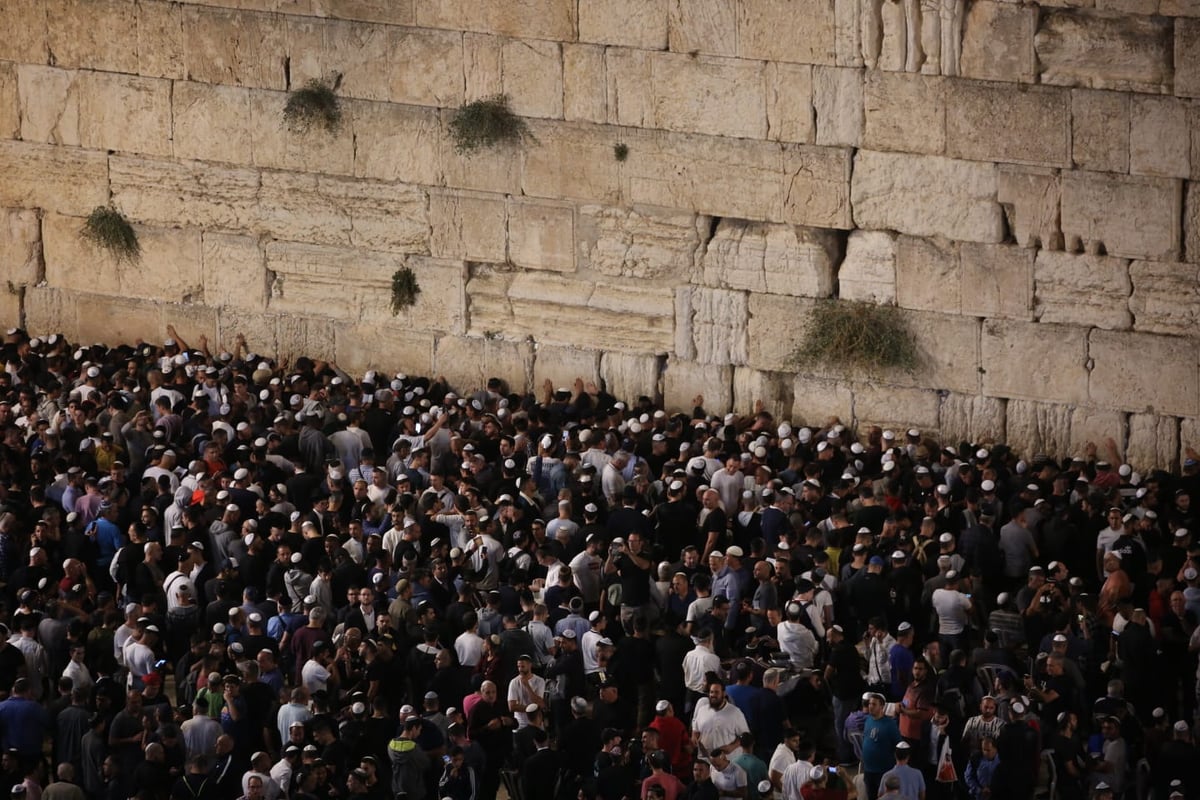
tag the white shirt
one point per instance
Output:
(80, 675)
(951, 607)
(469, 648)
(798, 642)
(729, 780)
(313, 675)
(588, 646)
(585, 571)
(781, 759)
(794, 777)
(698, 662)
(717, 728)
(139, 658)
(517, 690)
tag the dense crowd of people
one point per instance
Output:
(226, 577)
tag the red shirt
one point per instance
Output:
(672, 735)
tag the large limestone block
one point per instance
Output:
(20, 247)
(1143, 372)
(390, 142)
(895, 407)
(1166, 297)
(715, 321)
(775, 330)
(971, 418)
(1095, 425)
(125, 113)
(847, 33)
(928, 274)
(533, 77)
(116, 320)
(1159, 137)
(326, 210)
(574, 161)
(92, 34)
(556, 20)
(468, 362)
(1189, 434)
(838, 103)
(815, 401)
(1122, 216)
(364, 346)
(1000, 122)
(997, 280)
(161, 41)
(483, 65)
(703, 26)
(49, 310)
(234, 271)
(1100, 130)
(1153, 442)
(28, 17)
(212, 123)
(1034, 361)
(641, 243)
(1031, 199)
(273, 146)
(49, 104)
(926, 196)
(235, 47)
(684, 381)
(10, 307)
(772, 389)
(776, 259)
(356, 52)
(261, 330)
(10, 103)
(629, 86)
(948, 350)
(1128, 53)
(470, 226)
(425, 67)
(627, 376)
(561, 365)
(1092, 291)
(816, 186)
(630, 23)
(997, 42)
(307, 336)
(169, 268)
(164, 192)
(60, 179)
(541, 235)
(905, 112)
(585, 97)
(786, 30)
(1187, 66)
(1191, 222)
(718, 96)
(1033, 427)
(392, 12)
(868, 272)
(789, 103)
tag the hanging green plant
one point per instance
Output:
(487, 123)
(404, 289)
(853, 334)
(620, 151)
(107, 228)
(315, 104)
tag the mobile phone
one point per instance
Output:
(833, 770)
(445, 759)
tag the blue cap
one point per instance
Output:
(876, 561)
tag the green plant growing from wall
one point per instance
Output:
(107, 228)
(863, 335)
(404, 289)
(620, 151)
(315, 104)
(487, 123)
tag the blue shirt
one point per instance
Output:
(901, 660)
(727, 584)
(912, 782)
(23, 723)
(108, 540)
(880, 737)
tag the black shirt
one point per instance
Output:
(635, 581)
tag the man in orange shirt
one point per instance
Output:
(916, 709)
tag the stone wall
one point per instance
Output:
(1023, 181)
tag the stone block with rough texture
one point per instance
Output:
(1189, 435)
(233, 271)
(868, 272)
(1000, 122)
(426, 67)
(360, 347)
(468, 362)
(847, 33)
(1059, 430)
(49, 104)
(895, 406)
(115, 320)
(1187, 67)
(1034, 361)
(715, 321)
(628, 84)
(1143, 372)
(928, 275)
(537, 19)
(772, 389)
(1191, 223)
(816, 400)
(786, 30)
(1158, 137)
(10, 307)
(1166, 297)
(1153, 442)
(998, 42)
(237, 48)
(533, 78)
(66, 180)
(628, 377)
(838, 104)
(468, 225)
(163, 192)
(310, 336)
(49, 310)
(10, 102)
(1032, 199)
(1121, 216)
(1128, 53)
(971, 418)
(926, 196)
(702, 26)
(574, 161)
(775, 331)
(541, 235)
(816, 186)
(212, 123)
(905, 112)
(789, 103)
(585, 99)
(630, 23)
(997, 280)
(562, 365)
(1092, 291)
(161, 41)
(20, 247)
(28, 17)
(1100, 130)
(777, 259)
(683, 381)
(91, 34)
(387, 142)
(482, 65)
(640, 243)
(275, 147)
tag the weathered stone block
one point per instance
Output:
(775, 330)
(789, 103)
(895, 407)
(10, 103)
(563, 364)
(1034, 361)
(838, 102)
(426, 67)
(49, 105)
(556, 20)
(28, 17)
(50, 310)
(363, 346)
(59, 179)
(1191, 222)
(631, 23)
(1032, 427)
(847, 33)
(948, 351)
(816, 186)
(10, 307)
(305, 335)
(473, 227)
(815, 401)
(1129, 53)
(1122, 216)
(116, 320)
(483, 65)
(868, 272)
(164, 192)
(541, 235)
(1031, 199)
(684, 381)
(212, 123)
(642, 243)
(786, 30)
(1159, 137)
(997, 42)
(928, 274)
(233, 271)
(905, 112)
(585, 95)
(772, 389)
(629, 86)
(1100, 130)
(468, 362)
(235, 47)
(1187, 67)
(926, 196)
(275, 147)
(20, 247)
(1095, 425)
(261, 330)
(392, 12)
(1001, 122)
(390, 142)
(125, 113)
(628, 377)
(93, 34)
(574, 161)
(1153, 442)
(1092, 291)
(1143, 372)
(703, 26)
(777, 259)
(971, 418)
(1166, 297)
(715, 321)
(997, 280)
(533, 77)
(161, 41)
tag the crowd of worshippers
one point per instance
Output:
(230, 577)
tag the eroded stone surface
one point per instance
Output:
(777, 259)
(1121, 216)
(1077, 48)
(1143, 372)
(1034, 361)
(1082, 290)
(972, 418)
(868, 272)
(1153, 442)
(1166, 297)
(20, 247)
(643, 243)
